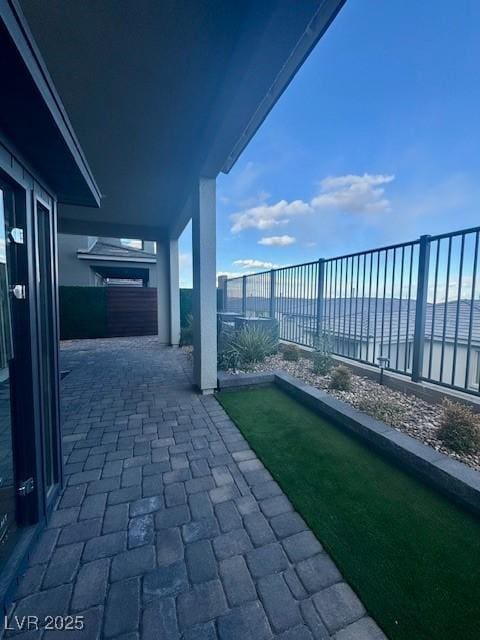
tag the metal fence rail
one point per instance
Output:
(415, 304)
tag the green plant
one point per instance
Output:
(186, 332)
(341, 379)
(459, 427)
(254, 344)
(228, 358)
(388, 411)
(322, 356)
(227, 354)
(290, 353)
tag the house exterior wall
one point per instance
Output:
(71, 270)
(432, 359)
(449, 354)
(74, 271)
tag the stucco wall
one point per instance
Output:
(71, 270)
(75, 272)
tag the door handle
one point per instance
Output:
(19, 291)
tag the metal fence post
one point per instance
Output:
(420, 308)
(225, 295)
(222, 285)
(272, 294)
(244, 295)
(320, 300)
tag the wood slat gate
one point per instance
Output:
(131, 311)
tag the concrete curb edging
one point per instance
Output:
(242, 380)
(453, 478)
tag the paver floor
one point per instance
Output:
(169, 526)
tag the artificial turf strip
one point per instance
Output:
(412, 556)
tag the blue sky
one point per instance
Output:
(376, 141)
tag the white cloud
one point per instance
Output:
(267, 216)
(348, 194)
(277, 241)
(334, 182)
(250, 263)
(353, 194)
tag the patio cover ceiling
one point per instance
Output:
(160, 92)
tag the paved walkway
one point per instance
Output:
(169, 526)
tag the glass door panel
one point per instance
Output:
(7, 484)
(46, 346)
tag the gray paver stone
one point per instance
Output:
(202, 603)
(318, 572)
(231, 544)
(132, 563)
(122, 612)
(266, 560)
(166, 581)
(201, 563)
(237, 581)
(338, 606)
(91, 584)
(159, 620)
(247, 622)
(282, 610)
(170, 547)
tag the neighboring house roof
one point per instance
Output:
(397, 318)
(362, 317)
(114, 252)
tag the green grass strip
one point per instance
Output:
(412, 556)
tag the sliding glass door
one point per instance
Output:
(8, 520)
(47, 346)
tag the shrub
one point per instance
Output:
(227, 354)
(254, 344)
(322, 356)
(341, 379)
(388, 411)
(459, 428)
(186, 332)
(322, 363)
(290, 353)
(228, 358)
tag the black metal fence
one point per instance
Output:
(416, 305)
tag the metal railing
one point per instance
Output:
(415, 304)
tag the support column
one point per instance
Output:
(174, 294)
(163, 291)
(168, 292)
(204, 286)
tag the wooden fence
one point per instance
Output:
(131, 311)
